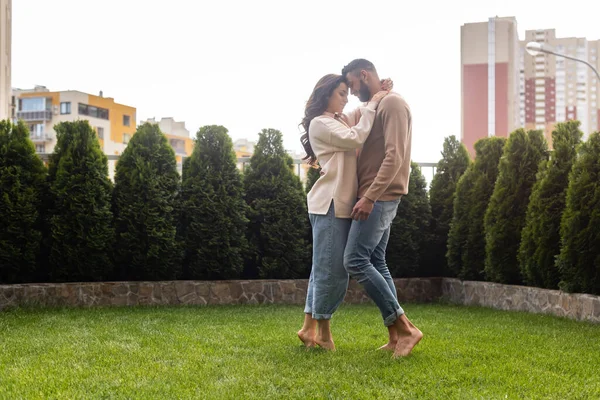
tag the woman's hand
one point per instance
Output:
(387, 84)
(379, 96)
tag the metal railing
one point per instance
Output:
(40, 137)
(45, 115)
(242, 161)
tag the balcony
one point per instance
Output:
(27, 116)
(38, 137)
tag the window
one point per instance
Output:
(32, 104)
(40, 148)
(100, 131)
(65, 108)
(539, 126)
(540, 104)
(92, 111)
(36, 131)
(178, 145)
(126, 120)
(126, 138)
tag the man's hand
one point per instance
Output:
(362, 209)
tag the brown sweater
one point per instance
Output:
(384, 161)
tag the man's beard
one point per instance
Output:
(364, 94)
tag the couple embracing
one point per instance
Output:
(365, 166)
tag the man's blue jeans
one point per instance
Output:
(364, 258)
(328, 280)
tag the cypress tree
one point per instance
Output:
(277, 213)
(214, 210)
(455, 161)
(80, 217)
(409, 236)
(146, 210)
(579, 259)
(505, 216)
(22, 181)
(466, 241)
(540, 239)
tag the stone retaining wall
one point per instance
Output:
(193, 292)
(583, 307)
(414, 290)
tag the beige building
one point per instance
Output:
(178, 136)
(5, 58)
(490, 79)
(244, 147)
(503, 87)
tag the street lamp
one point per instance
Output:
(535, 48)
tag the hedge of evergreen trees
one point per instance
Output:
(518, 213)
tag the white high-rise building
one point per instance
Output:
(5, 55)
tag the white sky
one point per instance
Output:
(250, 65)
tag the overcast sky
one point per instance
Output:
(250, 65)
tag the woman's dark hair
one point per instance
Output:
(316, 105)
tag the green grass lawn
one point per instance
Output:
(251, 352)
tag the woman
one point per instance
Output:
(333, 142)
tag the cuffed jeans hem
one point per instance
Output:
(389, 320)
(317, 316)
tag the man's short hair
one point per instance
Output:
(357, 65)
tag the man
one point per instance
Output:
(383, 173)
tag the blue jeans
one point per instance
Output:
(364, 258)
(328, 280)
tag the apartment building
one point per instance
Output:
(5, 58)
(41, 109)
(504, 88)
(557, 89)
(244, 148)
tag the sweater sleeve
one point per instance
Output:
(395, 118)
(341, 137)
(354, 116)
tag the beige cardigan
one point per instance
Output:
(335, 144)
